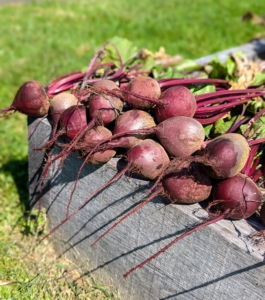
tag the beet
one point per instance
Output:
(175, 101)
(104, 107)
(31, 99)
(143, 86)
(239, 194)
(58, 105)
(227, 155)
(180, 136)
(188, 184)
(90, 139)
(132, 119)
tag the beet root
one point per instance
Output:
(175, 101)
(240, 194)
(132, 119)
(31, 99)
(102, 106)
(143, 86)
(227, 154)
(189, 184)
(90, 139)
(59, 104)
(180, 136)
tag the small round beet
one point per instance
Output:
(175, 101)
(240, 194)
(143, 86)
(227, 154)
(181, 136)
(104, 107)
(189, 184)
(31, 99)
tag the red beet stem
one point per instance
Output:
(200, 226)
(217, 94)
(93, 66)
(219, 107)
(210, 120)
(165, 83)
(228, 99)
(151, 197)
(56, 86)
(7, 111)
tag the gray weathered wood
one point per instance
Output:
(253, 50)
(218, 262)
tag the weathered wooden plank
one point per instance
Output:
(218, 262)
(253, 50)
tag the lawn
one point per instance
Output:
(41, 40)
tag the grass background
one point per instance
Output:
(41, 40)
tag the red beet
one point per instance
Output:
(226, 155)
(239, 194)
(104, 107)
(90, 139)
(143, 86)
(180, 136)
(31, 99)
(175, 101)
(59, 104)
(188, 184)
(132, 119)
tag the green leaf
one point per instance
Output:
(122, 47)
(256, 130)
(230, 64)
(207, 130)
(222, 70)
(223, 125)
(255, 105)
(258, 80)
(188, 65)
(147, 64)
(202, 89)
(160, 73)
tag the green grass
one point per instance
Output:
(44, 39)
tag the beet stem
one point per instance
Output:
(200, 226)
(207, 96)
(7, 111)
(94, 63)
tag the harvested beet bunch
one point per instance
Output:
(195, 138)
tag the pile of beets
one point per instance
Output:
(158, 126)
